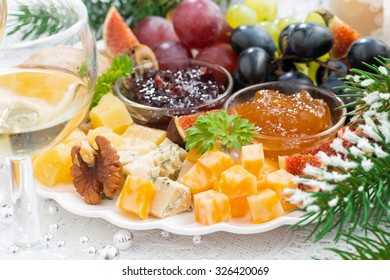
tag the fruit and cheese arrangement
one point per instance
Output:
(207, 162)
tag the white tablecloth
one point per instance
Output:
(280, 243)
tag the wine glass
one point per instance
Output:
(47, 76)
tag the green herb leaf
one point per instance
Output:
(121, 66)
(213, 128)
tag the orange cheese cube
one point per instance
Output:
(268, 167)
(278, 181)
(252, 158)
(265, 206)
(193, 155)
(136, 196)
(198, 179)
(216, 162)
(211, 207)
(236, 182)
(239, 206)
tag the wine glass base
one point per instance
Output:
(42, 253)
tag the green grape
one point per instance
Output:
(302, 67)
(240, 14)
(284, 21)
(266, 10)
(312, 71)
(315, 18)
(271, 28)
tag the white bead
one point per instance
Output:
(6, 211)
(84, 239)
(108, 252)
(14, 249)
(53, 209)
(197, 239)
(123, 239)
(53, 227)
(60, 243)
(91, 250)
(165, 234)
(48, 236)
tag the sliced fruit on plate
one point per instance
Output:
(295, 164)
(343, 34)
(178, 125)
(119, 38)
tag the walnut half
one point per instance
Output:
(103, 174)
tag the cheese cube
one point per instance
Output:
(112, 113)
(142, 167)
(268, 167)
(117, 141)
(53, 166)
(239, 206)
(216, 162)
(138, 134)
(136, 196)
(252, 158)
(198, 179)
(74, 138)
(211, 207)
(236, 182)
(265, 206)
(278, 181)
(170, 199)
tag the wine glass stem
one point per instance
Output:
(27, 227)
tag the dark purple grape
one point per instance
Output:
(254, 65)
(310, 40)
(284, 37)
(333, 84)
(323, 73)
(239, 81)
(246, 36)
(295, 76)
(365, 50)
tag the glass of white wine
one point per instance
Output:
(47, 76)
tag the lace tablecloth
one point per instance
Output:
(69, 240)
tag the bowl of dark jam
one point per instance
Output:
(157, 91)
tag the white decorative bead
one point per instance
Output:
(14, 249)
(165, 234)
(53, 209)
(84, 239)
(123, 239)
(60, 243)
(108, 252)
(53, 227)
(91, 250)
(6, 211)
(197, 239)
(48, 236)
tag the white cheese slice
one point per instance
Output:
(142, 167)
(170, 199)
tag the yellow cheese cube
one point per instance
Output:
(211, 207)
(239, 206)
(136, 196)
(252, 158)
(236, 182)
(265, 206)
(112, 113)
(74, 138)
(117, 141)
(268, 167)
(216, 162)
(53, 166)
(198, 179)
(137, 134)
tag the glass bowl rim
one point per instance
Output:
(227, 91)
(333, 129)
(77, 25)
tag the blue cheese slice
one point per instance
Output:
(143, 167)
(170, 199)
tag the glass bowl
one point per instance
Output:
(160, 117)
(278, 146)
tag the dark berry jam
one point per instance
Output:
(178, 89)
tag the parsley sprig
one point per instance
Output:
(121, 66)
(213, 128)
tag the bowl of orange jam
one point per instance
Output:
(289, 117)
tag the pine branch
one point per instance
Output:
(46, 19)
(355, 179)
(374, 247)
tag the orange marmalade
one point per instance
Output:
(293, 116)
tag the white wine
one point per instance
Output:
(3, 17)
(38, 108)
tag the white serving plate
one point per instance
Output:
(183, 223)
